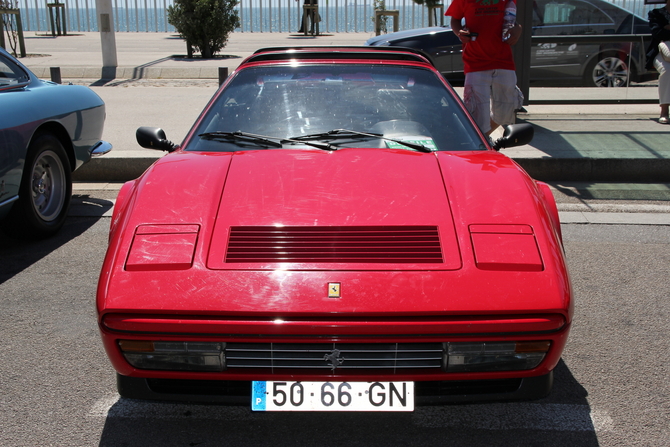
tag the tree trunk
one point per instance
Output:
(206, 51)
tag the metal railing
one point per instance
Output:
(274, 16)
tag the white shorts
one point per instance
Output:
(492, 95)
(663, 69)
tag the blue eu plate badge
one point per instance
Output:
(259, 396)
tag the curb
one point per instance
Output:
(113, 169)
(636, 170)
(129, 72)
(632, 170)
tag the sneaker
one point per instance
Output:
(664, 120)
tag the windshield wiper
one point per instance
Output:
(260, 139)
(240, 136)
(345, 133)
(336, 134)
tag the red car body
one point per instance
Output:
(420, 249)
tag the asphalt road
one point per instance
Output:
(611, 387)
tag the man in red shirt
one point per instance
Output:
(490, 93)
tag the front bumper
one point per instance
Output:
(233, 392)
(100, 148)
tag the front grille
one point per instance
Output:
(374, 244)
(341, 356)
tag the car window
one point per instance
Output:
(10, 73)
(568, 13)
(408, 104)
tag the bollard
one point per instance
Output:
(223, 74)
(55, 75)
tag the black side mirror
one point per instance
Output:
(154, 138)
(515, 135)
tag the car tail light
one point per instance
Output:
(174, 356)
(494, 356)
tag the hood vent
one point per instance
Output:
(359, 244)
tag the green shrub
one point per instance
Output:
(204, 24)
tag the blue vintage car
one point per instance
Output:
(47, 130)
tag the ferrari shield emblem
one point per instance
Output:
(333, 290)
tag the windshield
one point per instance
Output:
(335, 106)
(10, 73)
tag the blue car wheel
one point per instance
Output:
(44, 195)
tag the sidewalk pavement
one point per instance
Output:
(155, 85)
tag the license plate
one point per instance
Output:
(332, 396)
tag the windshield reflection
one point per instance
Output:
(285, 103)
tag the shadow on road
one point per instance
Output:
(17, 255)
(564, 418)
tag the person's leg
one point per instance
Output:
(663, 87)
(506, 98)
(302, 21)
(477, 98)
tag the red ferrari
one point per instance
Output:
(334, 234)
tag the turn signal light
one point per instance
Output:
(175, 356)
(494, 356)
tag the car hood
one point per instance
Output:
(339, 207)
(173, 251)
(391, 37)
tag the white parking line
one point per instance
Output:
(91, 208)
(509, 416)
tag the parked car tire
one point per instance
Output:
(45, 191)
(607, 70)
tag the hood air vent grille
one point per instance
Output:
(360, 244)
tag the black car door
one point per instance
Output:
(564, 60)
(443, 47)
